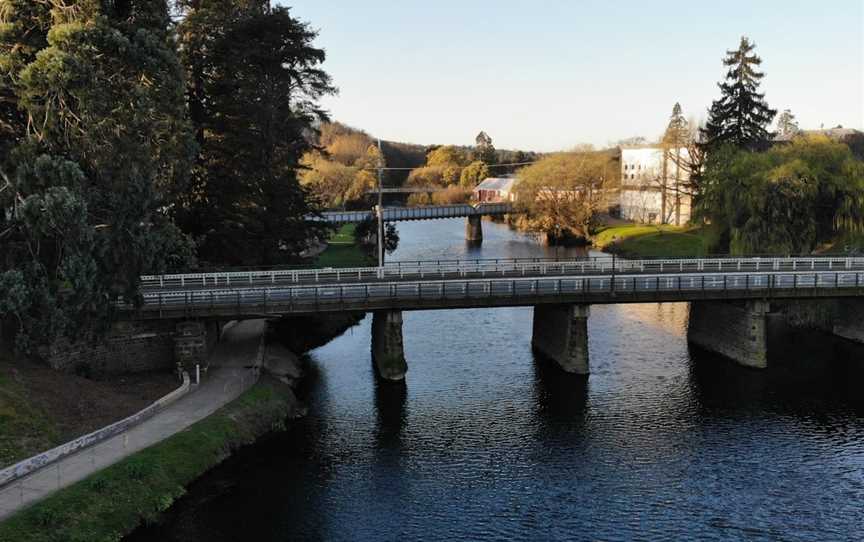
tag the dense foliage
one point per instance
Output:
(95, 142)
(340, 172)
(254, 107)
(785, 200)
(563, 192)
(130, 141)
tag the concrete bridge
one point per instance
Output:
(560, 292)
(473, 230)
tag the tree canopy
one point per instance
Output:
(741, 116)
(785, 200)
(95, 143)
(562, 193)
(254, 107)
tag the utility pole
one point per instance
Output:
(380, 207)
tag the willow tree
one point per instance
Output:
(786, 200)
(99, 146)
(563, 192)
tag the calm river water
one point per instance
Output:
(662, 442)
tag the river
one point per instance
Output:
(661, 442)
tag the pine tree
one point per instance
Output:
(787, 125)
(741, 116)
(254, 107)
(678, 130)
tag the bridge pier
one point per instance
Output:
(388, 352)
(560, 333)
(474, 229)
(737, 331)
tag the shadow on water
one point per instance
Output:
(390, 400)
(810, 375)
(561, 397)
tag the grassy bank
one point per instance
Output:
(41, 408)
(343, 250)
(25, 429)
(114, 501)
(647, 241)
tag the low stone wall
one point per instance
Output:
(129, 347)
(738, 331)
(25, 467)
(132, 347)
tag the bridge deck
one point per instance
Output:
(464, 293)
(394, 214)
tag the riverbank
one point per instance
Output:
(41, 408)
(113, 502)
(653, 241)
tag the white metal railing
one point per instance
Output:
(443, 269)
(637, 287)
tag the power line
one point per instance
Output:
(418, 167)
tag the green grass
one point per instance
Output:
(25, 429)
(113, 502)
(637, 240)
(343, 250)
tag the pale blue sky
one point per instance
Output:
(549, 74)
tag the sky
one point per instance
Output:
(547, 75)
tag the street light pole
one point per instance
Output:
(380, 208)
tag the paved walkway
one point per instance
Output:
(230, 374)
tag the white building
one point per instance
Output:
(653, 185)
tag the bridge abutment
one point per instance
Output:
(388, 353)
(474, 229)
(738, 331)
(560, 333)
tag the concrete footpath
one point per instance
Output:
(231, 373)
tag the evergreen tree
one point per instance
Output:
(678, 130)
(101, 143)
(787, 126)
(484, 151)
(254, 107)
(741, 116)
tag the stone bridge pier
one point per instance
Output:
(560, 333)
(388, 352)
(474, 229)
(738, 331)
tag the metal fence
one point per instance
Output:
(498, 292)
(489, 268)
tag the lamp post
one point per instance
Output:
(380, 208)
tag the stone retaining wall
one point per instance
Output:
(132, 347)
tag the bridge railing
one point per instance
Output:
(304, 299)
(498, 268)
